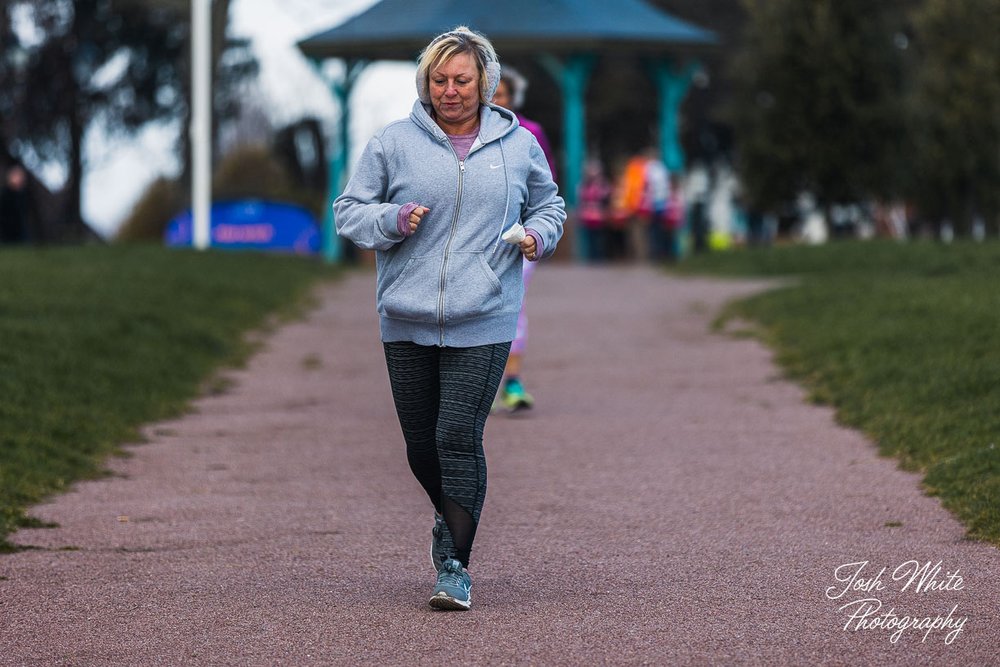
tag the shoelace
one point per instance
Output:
(452, 577)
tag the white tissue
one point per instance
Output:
(514, 235)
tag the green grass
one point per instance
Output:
(97, 341)
(903, 340)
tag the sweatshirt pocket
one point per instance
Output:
(473, 289)
(414, 294)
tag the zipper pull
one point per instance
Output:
(461, 165)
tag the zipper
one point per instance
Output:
(447, 248)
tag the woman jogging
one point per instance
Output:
(434, 195)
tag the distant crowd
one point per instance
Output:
(637, 215)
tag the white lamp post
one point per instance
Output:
(201, 121)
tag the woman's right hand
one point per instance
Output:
(415, 217)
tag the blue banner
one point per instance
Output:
(253, 225)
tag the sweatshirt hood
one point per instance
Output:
(494, 122)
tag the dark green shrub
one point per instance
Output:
(161, 201)
(253, 172)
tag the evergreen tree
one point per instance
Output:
(956, 109)
(817, 101)
(123, 63)
(93, 60)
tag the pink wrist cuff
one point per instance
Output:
(539, 246)
(403, 218)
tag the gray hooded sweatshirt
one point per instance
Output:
(453, 282)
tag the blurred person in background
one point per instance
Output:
(631, 190)
(433, 194)
(615, 245)
(654, 204)
(14, 206)
(510, 95)
(673, 220)
(698, 191)
(642, 197)
(594, 198)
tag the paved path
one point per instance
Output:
(671, 501)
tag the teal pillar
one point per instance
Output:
(672, 86)
(572, 75)
(341, 87)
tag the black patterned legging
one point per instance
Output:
(443, 396)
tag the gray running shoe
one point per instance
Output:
(441, 544)
(454, 587)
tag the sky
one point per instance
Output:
(119, 171)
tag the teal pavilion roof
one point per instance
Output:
(399, 29)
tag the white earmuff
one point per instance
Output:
(423, 91)
(492, 79)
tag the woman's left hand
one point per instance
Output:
(529, 248)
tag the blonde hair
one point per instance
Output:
(446, 46)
